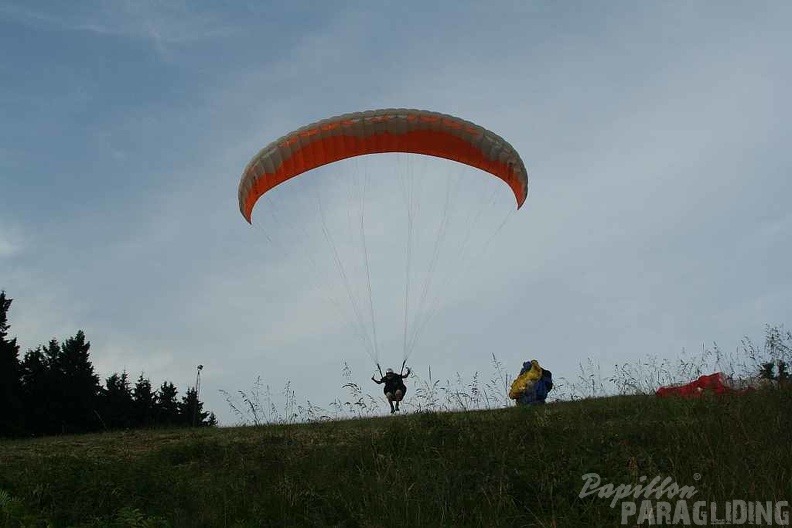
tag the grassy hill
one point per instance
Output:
(508, 467)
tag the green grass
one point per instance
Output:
(506, 467)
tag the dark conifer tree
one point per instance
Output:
(144, 399)
(191, 411)
(166, 405)
(10, 388)
(33, 372)
(116, 407)
(77, 385)
(59, 387)
(40, 398)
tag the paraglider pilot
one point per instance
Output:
(531, 385)
(394, 387)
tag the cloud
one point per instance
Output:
(163, 24)
(8, 248)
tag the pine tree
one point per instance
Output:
(191, 410)
(166, 407)
(144, 399)
(40, 396)
(59, 387)
(10, 387)
(77, 384)
(116, 405)
(32, 372)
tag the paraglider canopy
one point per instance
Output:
(716, 383)
(380, 131)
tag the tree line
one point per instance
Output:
(53, 389)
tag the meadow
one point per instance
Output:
(458, 457)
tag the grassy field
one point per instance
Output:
(507, 467)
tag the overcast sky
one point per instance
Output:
(656, 135)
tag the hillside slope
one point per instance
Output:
(508, 467)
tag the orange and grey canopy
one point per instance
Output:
(380, 131)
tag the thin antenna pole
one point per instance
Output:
(197, 393)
